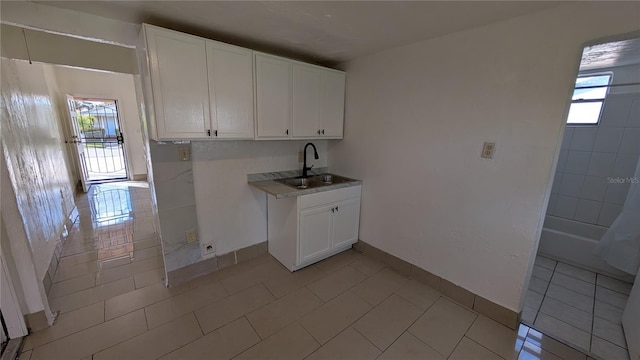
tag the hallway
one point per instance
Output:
(113, 304)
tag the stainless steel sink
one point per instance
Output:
(299, 183)
(330, 179)
(314, 181)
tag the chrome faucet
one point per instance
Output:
(304, 165)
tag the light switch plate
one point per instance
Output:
(488, 149)
(184, 153)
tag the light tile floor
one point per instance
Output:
(580, 307)
(113, 304)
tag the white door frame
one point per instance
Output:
(9, 304)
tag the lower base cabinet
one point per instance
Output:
(308, 228)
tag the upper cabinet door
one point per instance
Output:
(332, 104)
(230, 91)
(178, 68)
(273, 97)
(306, 101)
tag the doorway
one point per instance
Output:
(583, 275)
(98, 134)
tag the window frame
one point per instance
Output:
(583, 101)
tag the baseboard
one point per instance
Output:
(463, 296)
(37, 321)
(215, 263)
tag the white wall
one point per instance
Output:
(37, 195)
(231, 213)
(416, 119)
(104, 85)
(591, 156)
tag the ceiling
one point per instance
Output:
(616, 53)
(326, 32)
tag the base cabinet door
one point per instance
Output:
(346, 221)
(315, 233)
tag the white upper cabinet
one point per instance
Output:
(318, 102)
(295, 100)
(178, 69)
(201, 89)
(196, 88)
(273, 97)
(332, 103)
(307, 101)
(230, 71)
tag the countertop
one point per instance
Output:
(267, 183)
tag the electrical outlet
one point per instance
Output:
(488, 149)
(191, 236)
(184, 153)
(208, 248)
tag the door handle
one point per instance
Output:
(322, 131)
(337, 208)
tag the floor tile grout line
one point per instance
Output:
(405, 330)
(610, 342)
(545, 293)
(413, 322)
(559, 339)
(577, 278)
(491, 351)
(561, 300)
(367, 339)
(593, 315)
(102, 270)
(462, 337)
(69, 334)
(199, 324)
(86, 329)
(593, 318)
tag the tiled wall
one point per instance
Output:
(590, 156)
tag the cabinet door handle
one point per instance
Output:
(337, 208)
(215, 132)
(208, 132)
(322, 131)
(319, 132)
(333, 209)
(286, 131)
